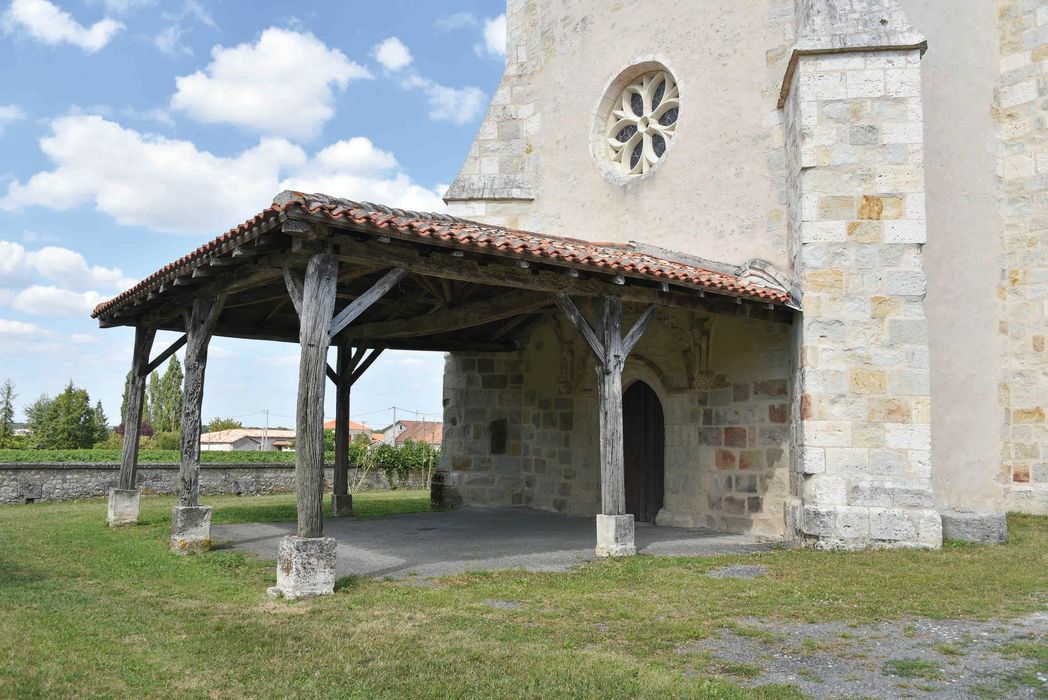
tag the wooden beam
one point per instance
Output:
(609, 397)
(294, 289)
(331, 374)
(439, 264)
(135, 389)
(633, 337)
(448, 320)
(340, 480)
(358, 372)
(200, 320)
(365, 300)
(318, 304)
(171, 350)
(579, 321)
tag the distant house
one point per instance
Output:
(354, 428)
(247, 439)
(401, 431)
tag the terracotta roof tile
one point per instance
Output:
(625, 259)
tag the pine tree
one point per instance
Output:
(7, 410)
(123, 400)
(100, 422)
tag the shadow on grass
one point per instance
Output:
(348, 583)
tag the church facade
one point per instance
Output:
(882, 161)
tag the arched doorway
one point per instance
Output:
(643, 438)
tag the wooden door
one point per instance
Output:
(643, 438)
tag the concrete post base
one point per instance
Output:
(615, 536)
(341, 505)
(305, 567)
(984, 528)
(123, 507)
(190, 529)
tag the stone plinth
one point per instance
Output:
(190, 529)
(305, 567)
(983, 528)
(615, 536)
(341, 505)
(123, 507)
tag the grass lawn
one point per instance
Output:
(90, 611)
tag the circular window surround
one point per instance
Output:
(611, 99)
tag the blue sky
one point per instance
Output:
(131, 131)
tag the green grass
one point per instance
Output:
(89, 611)
(914, 668)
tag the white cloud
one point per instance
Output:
(495, 36)
(247, 85)
(169, 39)
(40, 300)
(19, 328)
(392, 54)
(51, 25)
(170, 185)
(83, 339)
(70, 270)
(13, 266)
(456, 21)
(457, 105)
(9, 114)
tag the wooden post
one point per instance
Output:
(610, 350)
(136, 388)
(609, 394)
(200, 320)
(343, 367)
(318, 305)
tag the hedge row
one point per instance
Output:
(147, 456)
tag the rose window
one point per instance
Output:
(643, 122)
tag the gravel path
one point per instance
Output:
(903, 659)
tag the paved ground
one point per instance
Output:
(473, 538)
(932, 659)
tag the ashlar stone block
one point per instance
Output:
(124, 507)
(190, 529)
(615, 536)
(305, 567)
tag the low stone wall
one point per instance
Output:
(28, 483)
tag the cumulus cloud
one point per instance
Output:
(45, 22)
(172, 186)
(41, 300)
(69, 269)
(247, 85)
(456, 105)
(495, 36)
(19, 328)
(392, 54)
(9, 114)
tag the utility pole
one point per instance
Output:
(265, 432)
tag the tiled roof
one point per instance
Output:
(616, 258)
(353, 425)
(421, 431)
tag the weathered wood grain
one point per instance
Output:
(200, 320)
(318, 305)
(365, 300)
(343, 364)
(168, 352)
(136, 389)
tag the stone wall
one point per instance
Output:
(862, 414)
(23, 483)
(722, 383)
(1020, 105)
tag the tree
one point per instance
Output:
(217, 424)
(101, 422)
(67, 421)
(165, 398)
(152, 399)
(7, 410)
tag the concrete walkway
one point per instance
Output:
(471, 539)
